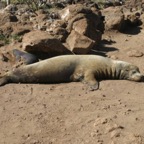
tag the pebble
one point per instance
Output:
(113, 127)
(115, 134)
(136, 119)
(103, 95)
(135, 53)
(100, 121)
(3, 58)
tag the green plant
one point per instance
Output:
(15, 37)
(4, 39)
(8, 40)
(100, 3)
(32, 4)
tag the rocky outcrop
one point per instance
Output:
(132, 18)
(120, 18)
(7, 17)
(72, 10)
(87, 27)
(114, 18)
(85, 23)
(78, 43)
(39, 41)
(76, 28)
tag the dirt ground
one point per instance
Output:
(70, 114)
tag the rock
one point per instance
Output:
(42, 17)
(85, 22)
(3, 58)
(113, 3)
(6, 29)
(101, 121)
(87, 28)
(39, 41)
(114, 18)
(58, 23)
(132, 19)
(72, 10)
(135, 53)
(58, 28)
(74, 19)
(113, 127)
(11, 8)
(7, 17)
(81, 21)
(115, 133)
(24, 18)
(21, 29)
(23, 10)
(60, 33)
(10, 29)
(142, 19)
(77, 12)
(81, 26)
(78, 43)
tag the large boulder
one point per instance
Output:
(40, 41)
(10, 29)
(86, 27)
(74, 19)
(20, 29)
(114, 18)
(132, 18)
(72, 10)
(58, 29)
(79, 43)
(73, 13)
(86, 23)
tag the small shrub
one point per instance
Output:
(7, 40)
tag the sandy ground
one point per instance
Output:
(70, 114)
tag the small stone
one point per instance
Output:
(3, 58)
(100, 121)
(103, 95)
(135, 53)
(129, 110)
(114, 127)
(113, 57)
(115, 134)
(136, 119)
